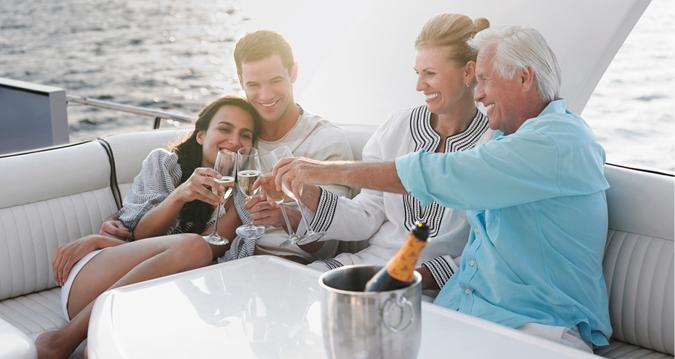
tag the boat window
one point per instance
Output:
(631, 110)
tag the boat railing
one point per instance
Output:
(136, 110)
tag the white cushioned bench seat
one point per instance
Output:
(56, 196)
(62, 194)
(34, 313)
(638, 264)
(621, 350)
(49, 198)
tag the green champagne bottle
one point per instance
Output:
(398, 273)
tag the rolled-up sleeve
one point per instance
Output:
(504, 172)
(159, 173)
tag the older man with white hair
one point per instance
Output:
(535, 198)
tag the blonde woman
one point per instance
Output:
(448, 121)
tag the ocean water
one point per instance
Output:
(176, 55)
(631, 110)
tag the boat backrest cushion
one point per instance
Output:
(638, 261)
(49, 198)
(358, 135)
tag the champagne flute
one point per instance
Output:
(225, 165)
(248, 171)
(268, 161)
(310, 235)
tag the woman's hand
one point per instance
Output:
(115, 228)
(67, 255)
(199, 187)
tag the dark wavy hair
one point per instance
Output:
(194, 215)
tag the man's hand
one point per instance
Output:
(263, 212)
(294, 173)
(115, 228)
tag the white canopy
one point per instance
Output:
(355, 58)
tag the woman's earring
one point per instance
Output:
(467, 85)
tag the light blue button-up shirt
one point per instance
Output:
(536, 204)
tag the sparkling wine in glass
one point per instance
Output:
(248, 171)
(226, 166)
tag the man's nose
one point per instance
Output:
(266, 93)
(478, 93)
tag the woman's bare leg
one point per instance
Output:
(117, 266)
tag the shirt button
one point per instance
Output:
(476, 232)
(468, 291)
(472, 263)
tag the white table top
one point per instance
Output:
(267, 307)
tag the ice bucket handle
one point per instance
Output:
(403, 320)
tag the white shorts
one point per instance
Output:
(65, 290)
(562, 335)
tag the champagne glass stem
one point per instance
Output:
(215, 225)
(289, 228)
(302, 215)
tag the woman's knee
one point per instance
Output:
(192, 251)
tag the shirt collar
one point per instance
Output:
(555, 106)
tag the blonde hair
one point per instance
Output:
(452, 31)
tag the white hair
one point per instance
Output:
(518, 47)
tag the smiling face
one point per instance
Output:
(268, 86)
(442, 81)
(231, 128)
(504, 99)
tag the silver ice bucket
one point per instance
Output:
(358, 324)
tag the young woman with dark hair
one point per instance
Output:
(168, 208)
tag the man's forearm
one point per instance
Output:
(380, 176)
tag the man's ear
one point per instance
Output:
(527, 78)
(200, 137)
(294, 72)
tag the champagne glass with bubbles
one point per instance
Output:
(225, 165)
(248, 171)
(268, 161)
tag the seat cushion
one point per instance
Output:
(34, 313)
(639, 274)
(619, 349)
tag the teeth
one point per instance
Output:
(269, 104)
(432, 96)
